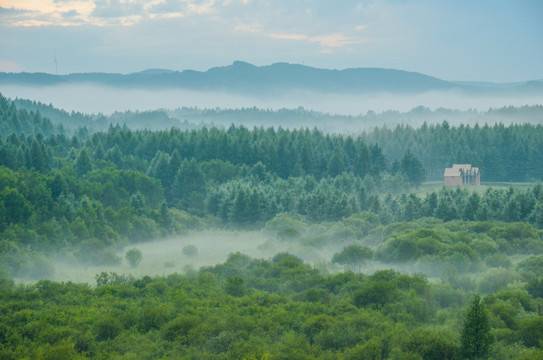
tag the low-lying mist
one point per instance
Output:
(212, 247)
(188, 253)
(91, 98)
(207, 248)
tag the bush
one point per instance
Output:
(531, 332)
(190, 251)
(178, 328)
(107, 328)
(375, 293)
(235, 286)
(535, 287)
(531, 267)
(133, 256)
(434, 345)
(353, 257)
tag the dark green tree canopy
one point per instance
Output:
(476, 338)
(412, 167)
(353, 257)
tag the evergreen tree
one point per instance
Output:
(412, 167)
(58, 186)
(159, 168)
(83, 163)
(475, 337)
(430, 204)
(189, 179)
(378, 160)
(240, 210)
(336, 165)
(471, 207)
(37, 157)
(173, 165)
(362, 162)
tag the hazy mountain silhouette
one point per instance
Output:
(279, 77)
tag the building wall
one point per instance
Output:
(453, 180)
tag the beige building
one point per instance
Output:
(462, 175)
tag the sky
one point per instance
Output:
(463, 40)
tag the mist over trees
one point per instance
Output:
(93, 190)
(88, 195)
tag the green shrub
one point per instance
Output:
(133, 256)
(190, 251)
(531, 267)
(107, 328)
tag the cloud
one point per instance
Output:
(202, 8)
(284, 36)
(101, 12)
(9, 66)
(116, 8)
(250, 28)
(325, 41)
(415, 35)
(166, 16)
(29, 13)
(12, 11)
(229, 2)
(334, 40)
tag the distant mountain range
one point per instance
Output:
(243, 77)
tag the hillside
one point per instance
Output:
(272, 79)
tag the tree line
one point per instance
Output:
(502, 153)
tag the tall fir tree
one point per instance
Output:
(476, 337)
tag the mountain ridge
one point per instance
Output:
(278, 77)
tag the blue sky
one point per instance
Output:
(483, 40)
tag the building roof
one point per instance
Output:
(464, 167)
(456, 170)
(452, 172)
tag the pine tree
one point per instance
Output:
(58, 186)
(240, 213)
(412, 167)
(336, 165)
(83, 163)
(471, 207)
(37, 157)
(189, 179)
(475, 337)
(362, 162)
(378, 160)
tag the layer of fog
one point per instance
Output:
(89, 98)
(162, 257)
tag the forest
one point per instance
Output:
(409, 271)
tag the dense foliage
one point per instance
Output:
(510, 152)
(264, 309)
(87, 195)
(502, 153)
